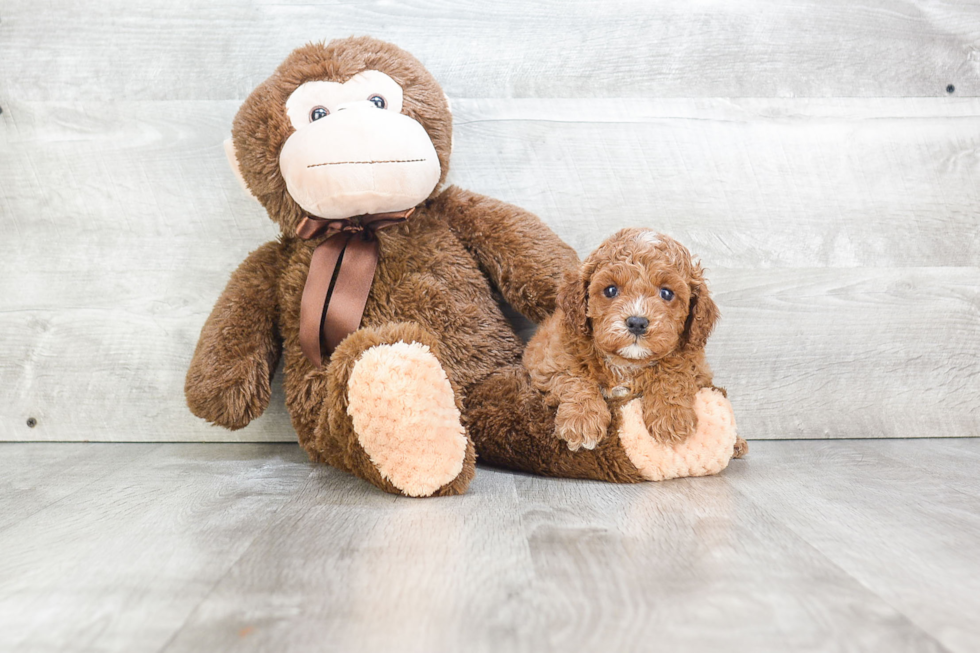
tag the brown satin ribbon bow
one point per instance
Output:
(335, 311)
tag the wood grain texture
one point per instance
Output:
(744, 183)
(706, 569)
(842, 240)
(122, 224)
(911, 535)
(818, 546)
(401, 595)
(200, 50)
(119, 563)
(30, 483)
(853, 352)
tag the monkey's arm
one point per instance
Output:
(228, 382)
(524, 259)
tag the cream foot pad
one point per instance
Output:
(705, 452)
(405, 417)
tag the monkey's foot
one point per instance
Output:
(404, 414)
(705, 452)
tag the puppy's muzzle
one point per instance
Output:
(637, 325)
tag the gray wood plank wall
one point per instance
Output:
(809, 152)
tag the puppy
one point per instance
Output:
(631, 323)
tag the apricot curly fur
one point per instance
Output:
(583, 354)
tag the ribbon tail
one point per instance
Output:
(350, 292)
(322, 266)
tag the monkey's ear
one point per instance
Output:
(573, 300)
(233, 161)
(452, 137)
(702, 314)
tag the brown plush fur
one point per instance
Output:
(435, 282)
(238, 351)
(581, 355)
(261, 126)
(513, 427)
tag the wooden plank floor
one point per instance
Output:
(848, 545)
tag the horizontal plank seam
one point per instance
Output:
(98, 478)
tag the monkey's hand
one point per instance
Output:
(582, 424)
(228, 382)
(229, 393)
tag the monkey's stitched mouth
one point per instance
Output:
(344, 163)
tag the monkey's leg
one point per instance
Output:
(513, 427)
(392, 415)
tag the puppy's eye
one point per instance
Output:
(318, 112)
(610, 291)
(378, 101)
(666, 294)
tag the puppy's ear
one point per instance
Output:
(573, 299)
(702, 313)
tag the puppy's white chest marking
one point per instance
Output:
(623, 378)
(623, 373)
(617, 392)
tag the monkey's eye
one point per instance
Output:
(666, 294)
(610, 291)
(318, 112)
(378, 101)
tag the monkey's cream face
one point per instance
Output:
(353, 151)
(638, 309)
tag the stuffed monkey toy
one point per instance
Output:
(380, 294)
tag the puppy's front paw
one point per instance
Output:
(582, 425)
(669, 423)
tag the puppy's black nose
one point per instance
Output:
(637, 325)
